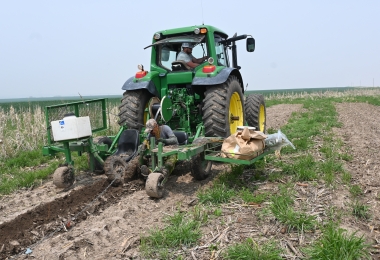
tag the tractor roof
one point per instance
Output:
(191, 29)
(194, 39)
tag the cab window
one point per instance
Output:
(167, 54)
(168, 51)
(221, 51)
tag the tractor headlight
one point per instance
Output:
(210, 60)
(196, 30)
(157, 36)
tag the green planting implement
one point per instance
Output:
(202, 101)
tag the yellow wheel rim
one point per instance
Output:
(236, 117)
(262, 118)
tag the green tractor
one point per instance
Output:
(206, 100)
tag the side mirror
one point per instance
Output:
(165, 54)
(250, 44)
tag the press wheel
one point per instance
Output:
(63, 177)
(153, 185)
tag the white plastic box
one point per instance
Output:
(71, 127)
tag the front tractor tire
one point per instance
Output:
(223, 109)
(256, 112)
(132, 110)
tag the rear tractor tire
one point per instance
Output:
(255, 112)
(63, 177)
(223, 109)
(133, 110)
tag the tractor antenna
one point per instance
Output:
(81, 97)
(84, 102)
(203, 21)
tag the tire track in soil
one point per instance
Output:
(30, 227)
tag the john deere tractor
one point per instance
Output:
(203, 105)
(206, 100)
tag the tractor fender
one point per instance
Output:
(220, 78)
(148, 85)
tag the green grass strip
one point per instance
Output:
(281, 208)
(24, 170)
(250, 250)
(181, 230)
(335, 243)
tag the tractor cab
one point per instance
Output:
(167, 51)
(204, 43)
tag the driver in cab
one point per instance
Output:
(186, 56)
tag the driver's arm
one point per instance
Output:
(199, 60)
(188, 59)
(195, 62)
(192, 64)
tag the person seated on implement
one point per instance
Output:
(186, 56)
(162, 133)
(165, 135)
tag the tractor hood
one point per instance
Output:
(179, 39)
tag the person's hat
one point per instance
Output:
(150, 124)
(187, 45)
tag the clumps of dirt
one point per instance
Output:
(132, 170)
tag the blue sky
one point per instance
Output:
(60, 48)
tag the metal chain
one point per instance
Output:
(60, 228)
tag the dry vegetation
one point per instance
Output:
(21, 131)
(326, 94)
(25, 130)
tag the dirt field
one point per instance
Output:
(111, 227)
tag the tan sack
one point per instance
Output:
(244, 145)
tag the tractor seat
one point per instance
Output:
(179, 65)
(128, 144)
(181, 137)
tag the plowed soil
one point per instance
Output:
(111, 227)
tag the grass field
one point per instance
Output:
(21, 104)
(21, 165)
